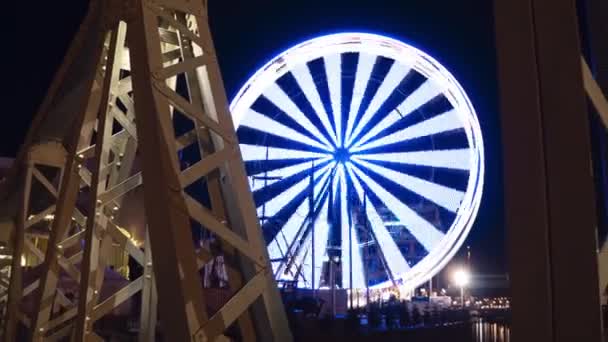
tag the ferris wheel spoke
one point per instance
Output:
(298, 239)
(394, 77)
(255, 167)
(305, 81)
(262, 123)
(276, 95)
(283, 236)
(458, 159)
(257, 152)
(422, 95)
(270, 206)
(265, 194)
(250, 136)
(445, 122)
(297, 207)
(362, 76)
(426, 234)
(294, 266)
(304, 253)
(333, 72)
(436, 106)
(397, 263)
(277, 174)
(441, 195)
(432, 212)
(264, 105)
(350, 240)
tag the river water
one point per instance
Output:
(491, 332)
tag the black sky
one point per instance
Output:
(459, 34)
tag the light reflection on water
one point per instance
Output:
(491, 332)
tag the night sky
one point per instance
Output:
(248, 33)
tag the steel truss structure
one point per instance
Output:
(106, 129)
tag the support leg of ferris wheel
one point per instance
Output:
(134, 87)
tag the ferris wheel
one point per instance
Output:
(363, 151)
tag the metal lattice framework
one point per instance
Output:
(105, 130)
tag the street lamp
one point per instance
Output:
(462, 278)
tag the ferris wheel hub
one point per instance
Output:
(342, 155)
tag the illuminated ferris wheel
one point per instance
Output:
(364, 151)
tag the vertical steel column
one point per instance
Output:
(214, 186)
(147, 319)
(268, 311)
(15, 290)
(69, 186)
(91, 266)
(168, 220)
(548, 186)
(570, 185)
